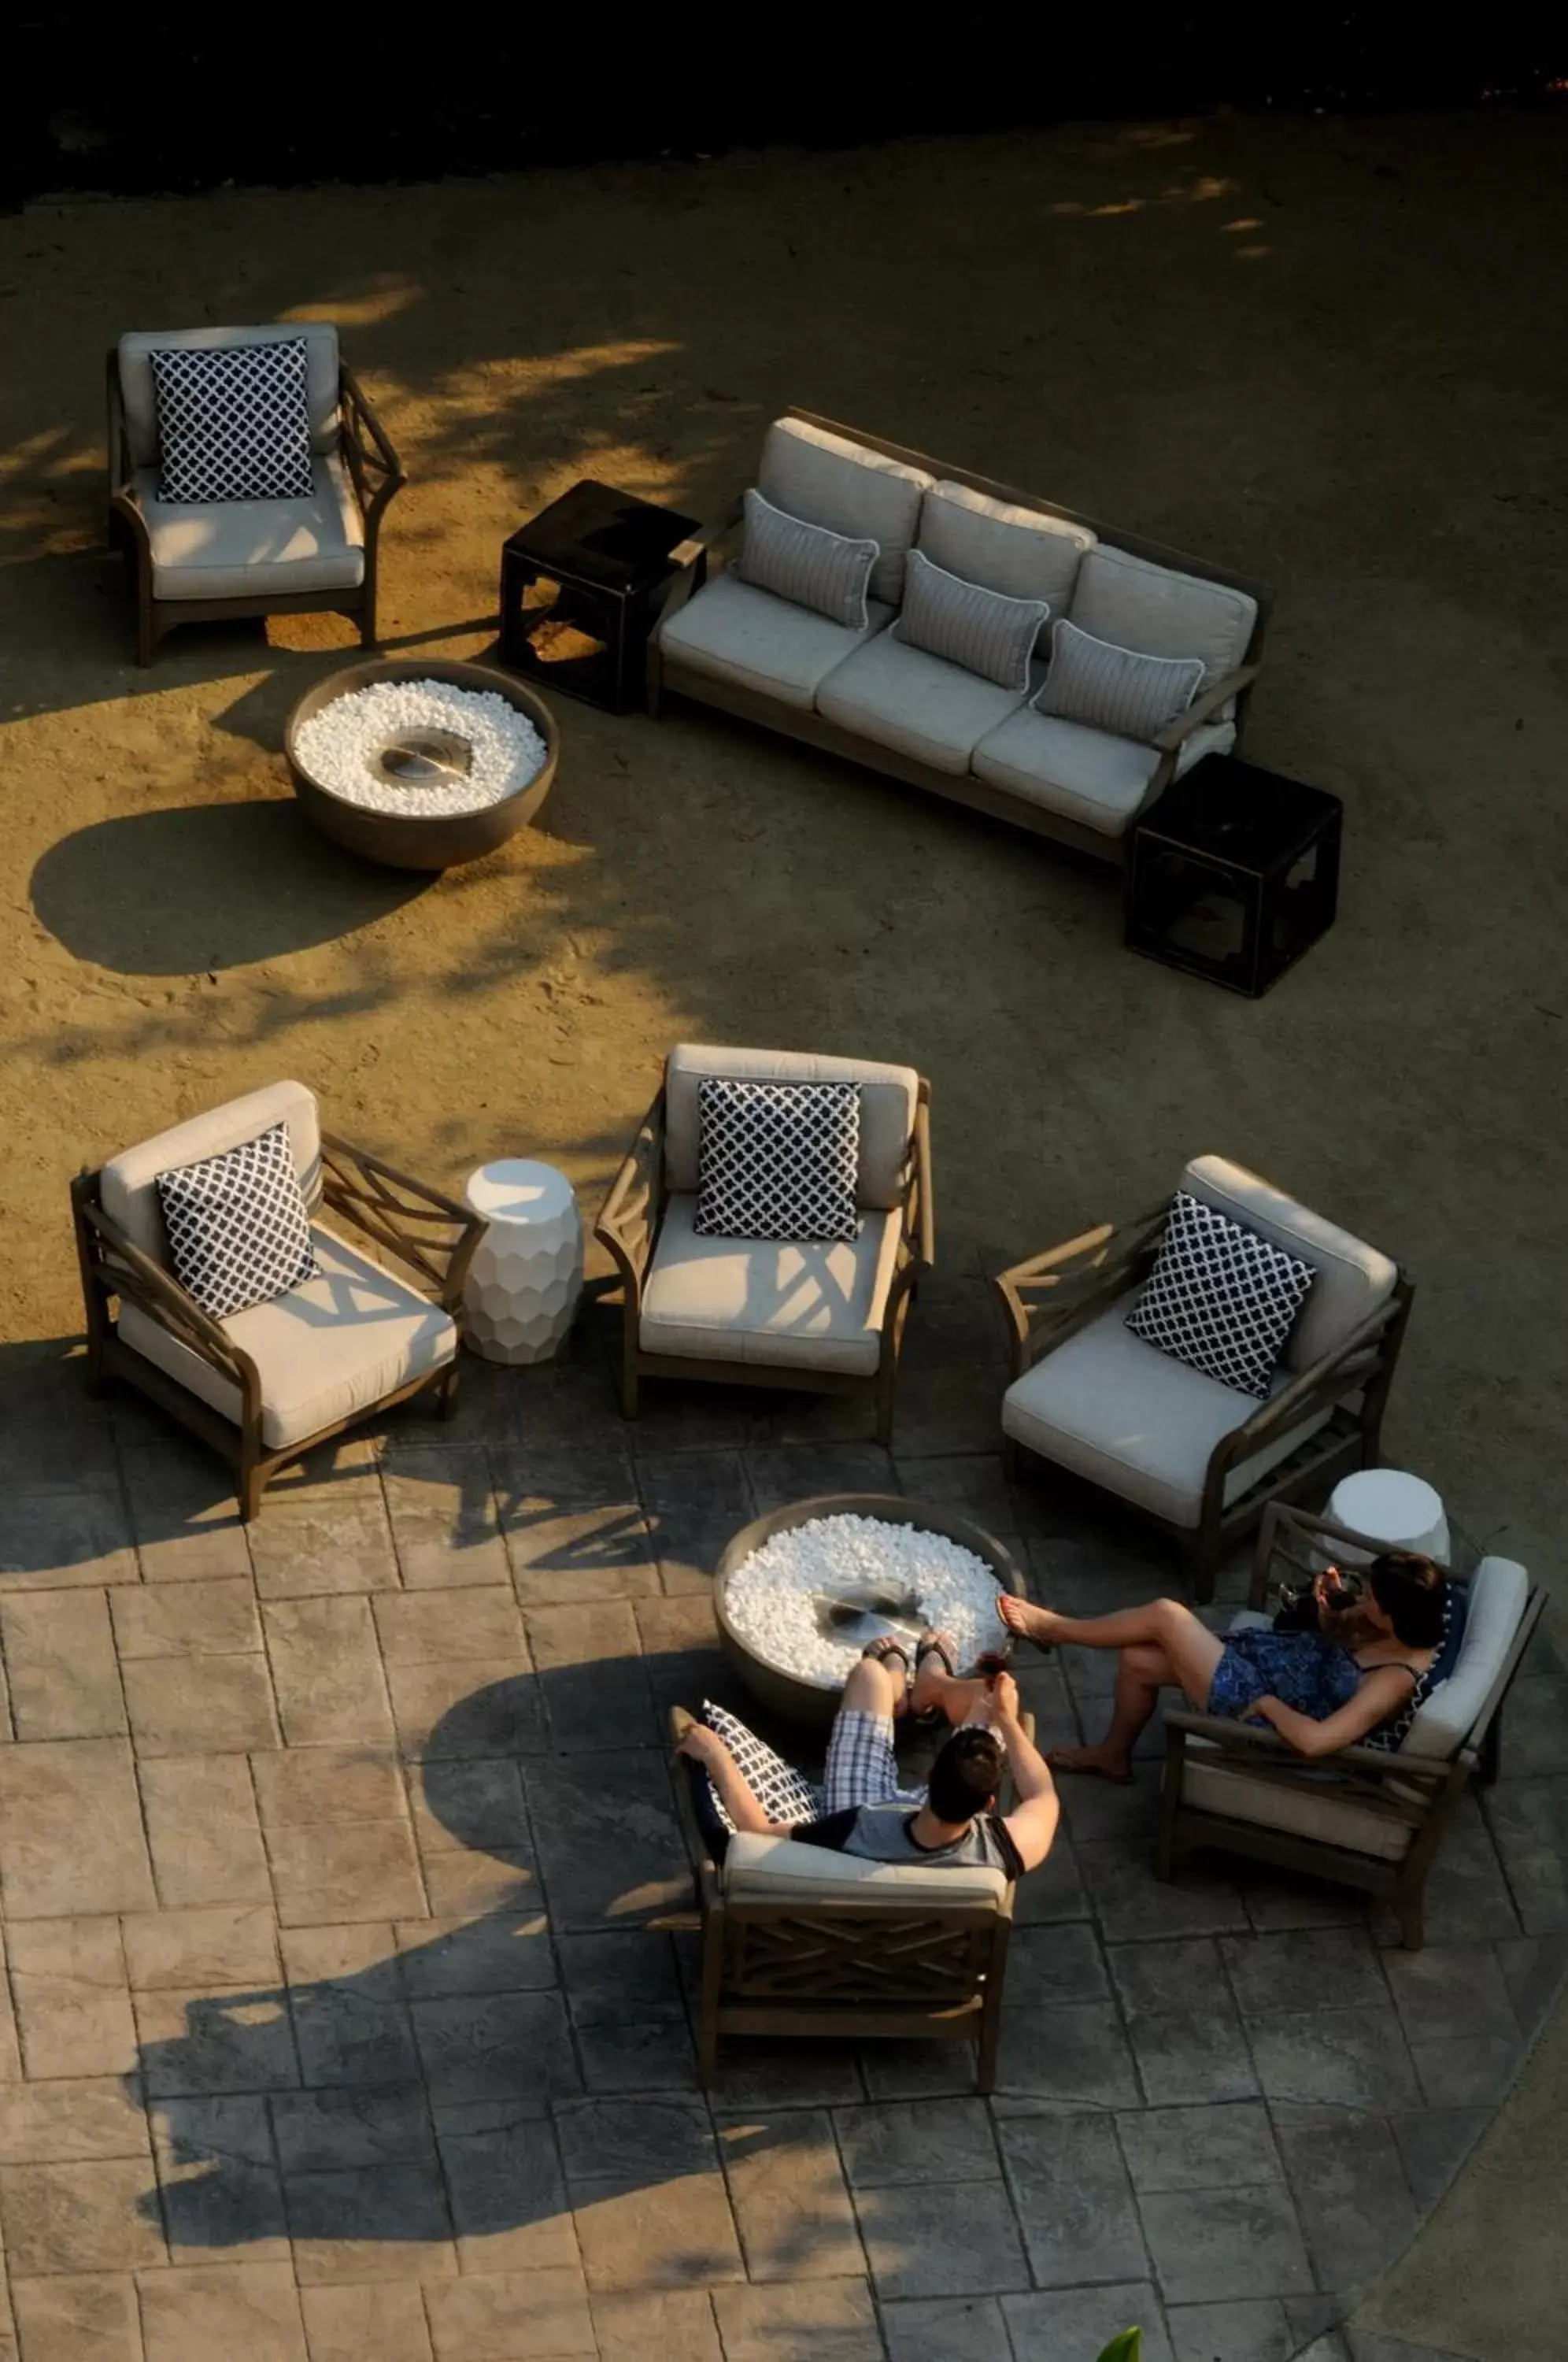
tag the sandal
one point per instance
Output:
(879, 1650)
(933, 1642)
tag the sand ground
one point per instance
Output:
(1315, 350)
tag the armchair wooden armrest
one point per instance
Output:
(629, 1217)
(1257, 1742)
(366, 448)
(114, 1265)
(1203, 708)
(917, 1232)
(1073, 1280)
(1355, 1364)
(425, 1229)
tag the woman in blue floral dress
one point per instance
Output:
(1357, 1681)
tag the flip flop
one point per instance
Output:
(934, 1642)
(880, 1650)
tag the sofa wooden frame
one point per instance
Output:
(430, 1234)
(1421, 1792)
(374, 471)
(629, 1223)
(1051, 1296)
(694, 556)
(843, 1970)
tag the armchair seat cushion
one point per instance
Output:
(1304, 1804)
(1085, 775)
(1129, 1417)
(797, 1305)
(240, 549)
(734, 631)
(918, 704)
(326, 1350)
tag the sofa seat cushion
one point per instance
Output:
(918, 704)
(830, 479)
(1215, 1782)
(773, 1870)
(263, 549)
(1135, 603)
(327, 1351)
(1085, 775)
(734, 631)
(1125, 1416)
(888, 1097)
(797, 1305)
(1351, 1278)
(129, 1183)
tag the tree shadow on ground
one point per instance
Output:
(257, 882)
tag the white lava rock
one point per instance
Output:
(339, 743)
(770, 1597)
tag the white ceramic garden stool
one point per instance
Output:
(1403, 1512)
(527, 1276)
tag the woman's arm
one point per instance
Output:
(705, 1747)
(1381, 1695)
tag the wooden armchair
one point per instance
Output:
(826, 1317)
(228, 558)
(1364, 1816)
(1200, 1459)
(263, 1385)
(796, 1940)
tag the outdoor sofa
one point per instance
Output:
(868, 695)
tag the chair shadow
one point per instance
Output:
(207, 887)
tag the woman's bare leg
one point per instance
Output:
(1141, 1671)
(1191, 1650)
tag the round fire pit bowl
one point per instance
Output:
(426, 758)
(803, 1700)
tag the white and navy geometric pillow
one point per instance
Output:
(232, 422)
(1220, 1299)
(776, 1159)
(239, 1231)
(784, 1793)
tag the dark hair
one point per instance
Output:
(966, 1776)
(1408, 1589)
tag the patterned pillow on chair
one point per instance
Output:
(237, 1224)
(784, 1793)
(1220, 1299)
(233, 422)
(778, 1160)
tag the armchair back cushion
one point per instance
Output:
(1003, 545)
(1497, 1595)
(1353, 1279)
(1135, 603)
(887, 1098)
(139, 396)
(776, 1870)
(829, 480)
(129, 1183)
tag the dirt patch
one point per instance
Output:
(1314, 350)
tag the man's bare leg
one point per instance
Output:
(876, 1685)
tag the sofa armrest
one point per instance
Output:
(690, 558)
(423, 1228)
(629, 1219)
(1074, 1281)
(1204, 708)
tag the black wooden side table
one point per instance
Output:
(577, 592)
(1233, 873)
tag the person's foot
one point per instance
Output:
(887, 1651)
(1101, 1761)
(936, 1654)
(1026, 1621)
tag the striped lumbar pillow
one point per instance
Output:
(978, 629)
(1115, 688)
(806, 564)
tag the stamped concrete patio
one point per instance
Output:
(328, 1852)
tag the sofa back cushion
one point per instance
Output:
(129, 1183)
(770, 1869)
(1137, 604)
(831, 481)
(139, 396)
(888, 1099)
(1495, 1601)
(1000, 544)
(1353, 1279)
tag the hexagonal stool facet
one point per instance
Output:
(525, 1277)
